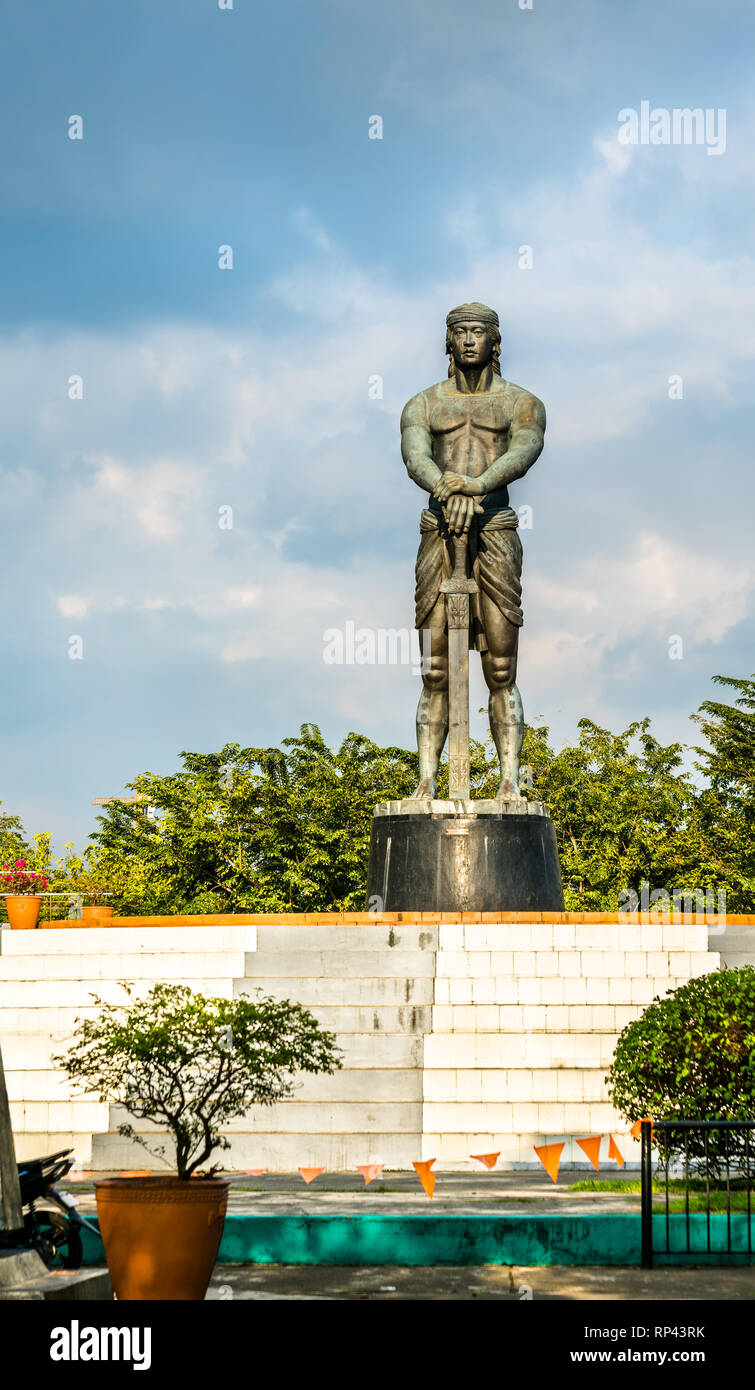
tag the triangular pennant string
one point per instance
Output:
(550, 1157)
(425, 1175)
(591, 1147)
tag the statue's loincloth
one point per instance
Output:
(495, 551)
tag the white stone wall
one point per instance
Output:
(525, 1023)
(458, 1039)
(47, 979)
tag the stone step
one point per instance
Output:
(308, 1117)
(42, 1117)
(322, 964)
(586, 936)
(92, 941)
(367, 1085)
(71, 993)
(30, 1067)
(41, 1084)
(539, 1018)
(556, 1118)
(378, 937)
(279, 1153)
(594, 965)
(516, 1085)
(39, 1143)
(180, 967)
(30, 1051)
(736, 960)
(507, 1051)
(555, 990)
(49, 1019)
(340, 989)
(24, 1278)
(343, 1019)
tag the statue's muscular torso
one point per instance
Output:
(468, 431)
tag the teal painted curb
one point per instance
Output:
(602, 1239)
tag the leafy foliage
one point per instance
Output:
(19, 878)
(287, 829)
(691, 1056)
(13, 842)
(192, 1063)
(727, 805)
(624, 812)
(255, 829)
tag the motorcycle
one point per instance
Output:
(56, 1235)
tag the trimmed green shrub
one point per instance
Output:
(190, 1064)
(691, 1056)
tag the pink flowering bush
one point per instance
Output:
(18, 878)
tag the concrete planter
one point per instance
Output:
(23, 909)
(161, 1234)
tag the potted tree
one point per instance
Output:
(23, 888)
(96, 909)
(83, 876)
(189, 1064)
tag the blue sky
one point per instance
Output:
(249, 387)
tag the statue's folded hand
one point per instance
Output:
(456, 483)
(459, 512)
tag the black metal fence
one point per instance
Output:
(707, 1213)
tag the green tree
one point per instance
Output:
(727, 804)
(287, 829)
(253, 829)
(190, 1064)
(624, 811)
(691, 1056)
(13, 842)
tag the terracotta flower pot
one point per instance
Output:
(161, 1234)
(92, 914)
(23, 909)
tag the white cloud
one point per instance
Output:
(73, 605)
(154, 496)
(241, 598)
(181, 420)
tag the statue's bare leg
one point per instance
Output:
(432, 710)
(505, 704)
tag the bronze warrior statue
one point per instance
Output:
(463, 441)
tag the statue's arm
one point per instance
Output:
(525, 446)
(416, 445)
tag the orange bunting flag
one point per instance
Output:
(489, 1160)
(614, 1151)
(591, 1147)
(254, 1172)
(136, 1173)
(309, 1174)
(426, 1177)
(550, 1157)
(369, 1171)
(636, 1130)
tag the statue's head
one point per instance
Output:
(473, 337)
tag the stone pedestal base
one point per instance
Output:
(25, 1278)
(463, 858)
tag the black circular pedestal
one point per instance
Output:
(457, 863)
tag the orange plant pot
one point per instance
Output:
(23, 909)
(92, 914)
(161, 1234)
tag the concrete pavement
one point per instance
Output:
(511, 1283)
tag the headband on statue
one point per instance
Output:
(471, 313)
